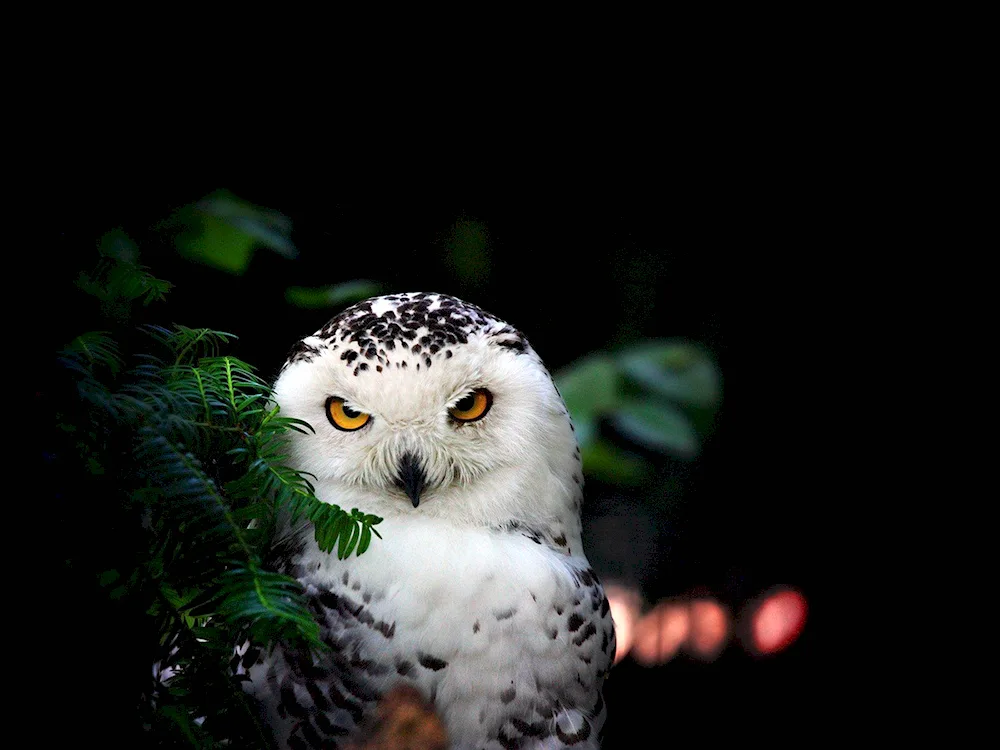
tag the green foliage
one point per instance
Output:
(337, 295)
(658, 396)
(119, 280)
(222, 230)
(189, 441)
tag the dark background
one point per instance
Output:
(577, 273)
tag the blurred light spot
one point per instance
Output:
(709, 628)
(660, 633)
(625, 604)
(778, 621)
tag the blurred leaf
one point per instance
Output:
(215, 243)
(271, 228)
(313, 298)
(222, 230)
(657, 426)
(676, 370)
(607, 462)
(589, 386)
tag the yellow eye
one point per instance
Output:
(472, 407)
(343, 417)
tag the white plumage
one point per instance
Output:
(442, 419)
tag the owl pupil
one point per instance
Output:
(466, 403)
(350, 413)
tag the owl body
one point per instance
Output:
(441, 419)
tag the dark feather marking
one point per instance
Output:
(508, 742)
(572, 739)
(311, 735)
(319, 700)
(586, 577)
(588, 631)
(599, 706)
(431, 662)
(327, 727)
(357, 688)
(290, 703)
(528, 730)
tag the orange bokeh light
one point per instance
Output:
(625, 605)
(778, 621)
(709, 628)
(660, 633)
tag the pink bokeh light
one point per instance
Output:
(778, 621)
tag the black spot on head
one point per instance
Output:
(301, 351)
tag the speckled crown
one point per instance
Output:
(398, 330)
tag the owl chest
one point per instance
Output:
(457, 617)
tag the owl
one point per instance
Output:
(440, 418)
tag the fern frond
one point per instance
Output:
(270, 602)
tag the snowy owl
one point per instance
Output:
(441, 418)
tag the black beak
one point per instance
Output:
(411, 477)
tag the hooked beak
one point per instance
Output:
(411, 477)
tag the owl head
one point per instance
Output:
(422, 404)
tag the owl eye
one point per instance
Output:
(472, 407)
(343, 417)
